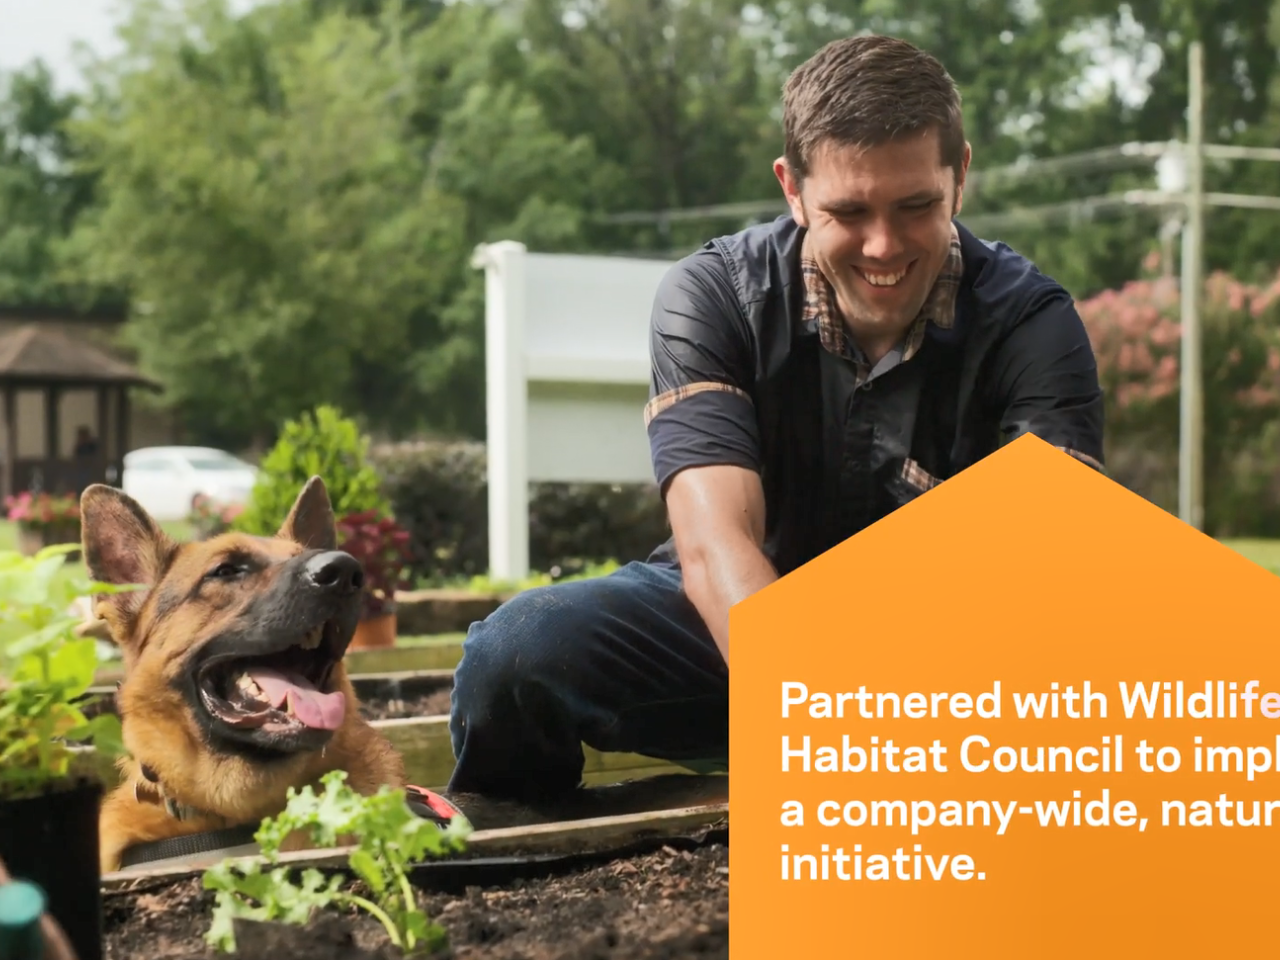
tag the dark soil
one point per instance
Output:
(431, 704)
(666, 904)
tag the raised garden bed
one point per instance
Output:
(428, 756)
(673, 902)
(644, 875)
(443, 611)
(405, 696)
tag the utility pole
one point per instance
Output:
(1191, 419)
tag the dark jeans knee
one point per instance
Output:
(621, 662)
(509, 650)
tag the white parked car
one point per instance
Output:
(167, 480)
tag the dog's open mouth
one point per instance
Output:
(277, 693)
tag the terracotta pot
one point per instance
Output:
(374, 633)
(30, 541)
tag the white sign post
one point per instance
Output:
(566, 380)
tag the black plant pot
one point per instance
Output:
(51, 839)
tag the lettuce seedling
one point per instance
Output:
(388, 838)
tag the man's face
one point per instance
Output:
(880, 225)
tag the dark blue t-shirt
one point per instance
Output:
(740, 376)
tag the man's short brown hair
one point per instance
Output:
(864, 91)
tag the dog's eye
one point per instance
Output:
(225, 571)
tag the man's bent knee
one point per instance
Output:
(528, 636)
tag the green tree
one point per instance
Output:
(41, 191)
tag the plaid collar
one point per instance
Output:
(820, 302)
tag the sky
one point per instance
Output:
(49, 29)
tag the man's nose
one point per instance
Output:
(335, 572)
(880, 241)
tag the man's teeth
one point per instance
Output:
(312, 638)
(883, 279)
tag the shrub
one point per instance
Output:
(1137, 336)
(439, 494)
(324, 444)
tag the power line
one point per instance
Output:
(1085, 161)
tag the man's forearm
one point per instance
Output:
(717, 578)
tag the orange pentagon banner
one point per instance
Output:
(1028, 715)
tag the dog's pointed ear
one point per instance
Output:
(123, 545)
(310, 521)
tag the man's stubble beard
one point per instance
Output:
(861, 320)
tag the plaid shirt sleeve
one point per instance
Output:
(700, 410)
(1045, 382)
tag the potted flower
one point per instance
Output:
(45, 519)
(50, 786)
(382, 547)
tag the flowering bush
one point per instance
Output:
(1136, 333)
(208, 518)
(48, 514)
(382, 547)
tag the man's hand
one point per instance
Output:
(717, 517)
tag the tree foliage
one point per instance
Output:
(289, 199)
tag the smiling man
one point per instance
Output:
(810, 376)
(816, 373)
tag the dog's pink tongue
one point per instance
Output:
(323, 711)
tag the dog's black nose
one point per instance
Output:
(335, 571)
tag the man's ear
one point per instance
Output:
(961, 179)
(123, 546)
(791, 190)
(310, 521)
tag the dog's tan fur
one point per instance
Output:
(158, 630)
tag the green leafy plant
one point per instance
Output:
(45, 672)
(389, 837)
(321, 443)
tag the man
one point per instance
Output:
(810, 376)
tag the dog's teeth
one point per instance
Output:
(248, 686)
(312, 638)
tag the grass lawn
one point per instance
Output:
(1265, 553)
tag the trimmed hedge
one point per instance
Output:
(439, 493)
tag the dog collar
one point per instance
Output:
(150, 790)
(193, 844)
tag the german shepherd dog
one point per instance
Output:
(234, 686)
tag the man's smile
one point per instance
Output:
(885, 280)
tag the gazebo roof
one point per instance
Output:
(39, 354)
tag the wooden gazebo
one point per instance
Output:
(42, 365)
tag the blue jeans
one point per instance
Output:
(622, 663)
